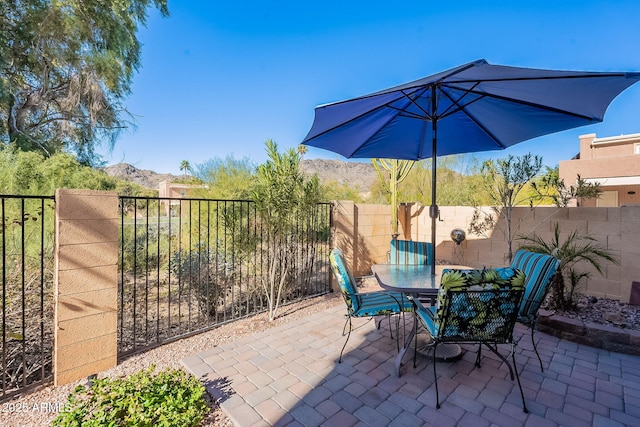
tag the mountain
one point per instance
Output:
(354, 174)
(143, 177)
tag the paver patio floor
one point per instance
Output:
(290, 375)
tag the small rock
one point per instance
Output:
(593, 300)
(614, 318)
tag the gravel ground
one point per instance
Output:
(39, 407)
(605, 312)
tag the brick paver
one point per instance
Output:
(289, 375)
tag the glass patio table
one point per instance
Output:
(417, 281)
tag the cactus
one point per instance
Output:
(398, 171)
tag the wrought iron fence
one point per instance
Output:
(27, 243)
(187, 265)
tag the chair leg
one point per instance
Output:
(415, 346)
(397, 330)
(513, 357)
(348, 335)
(533, 342)
(478, 355)
(397, 317)
(504, 359)
(435, 376)
(379, 324)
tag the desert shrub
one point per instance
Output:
(199, 271)
(169, 398)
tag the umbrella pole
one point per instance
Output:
(433, 210)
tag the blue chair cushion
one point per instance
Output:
(383, 302)
(410, 252)
(539, 269)
(365, 304)
(345, 279)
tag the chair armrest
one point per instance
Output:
(417, 304)
(426, 315)
(369, 300)
(419, 307)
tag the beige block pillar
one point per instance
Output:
(86, 284)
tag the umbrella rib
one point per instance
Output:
(479, 124)
(417, 93)
(386, 105)
(380, 107)
(456, 102)
(516, 79)
(515, 101)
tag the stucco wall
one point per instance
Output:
(606, 160)
(363, 232)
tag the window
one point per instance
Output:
(636, 148)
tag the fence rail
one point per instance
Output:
(187, 265)
(27, 241)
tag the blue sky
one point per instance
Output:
(220, 78)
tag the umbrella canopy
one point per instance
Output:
(471, 108)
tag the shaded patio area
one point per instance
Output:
(289, 375)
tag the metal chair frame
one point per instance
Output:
(367, 304)
(498, 331)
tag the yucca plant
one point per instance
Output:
(576, 248)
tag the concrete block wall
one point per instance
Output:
(85, 284)
(616, 229)
(362, 232)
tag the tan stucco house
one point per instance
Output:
(613, 162)
(172, 190)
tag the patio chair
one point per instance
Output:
(539, 270)
(410, 252)
(365, 304)
(474, 306)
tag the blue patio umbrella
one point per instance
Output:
(471, 108)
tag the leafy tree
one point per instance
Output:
(283, 196)
(30, 173)
(504, 180)
(458, 183)
(131, 189)
(576, 248)
(334, 190)
(551, 187)
(226, 178)
(65, 69)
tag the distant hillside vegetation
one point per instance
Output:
(353, 174)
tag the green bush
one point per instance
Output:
(169, 398)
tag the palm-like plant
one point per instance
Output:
(576, 248)
(185, 167)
